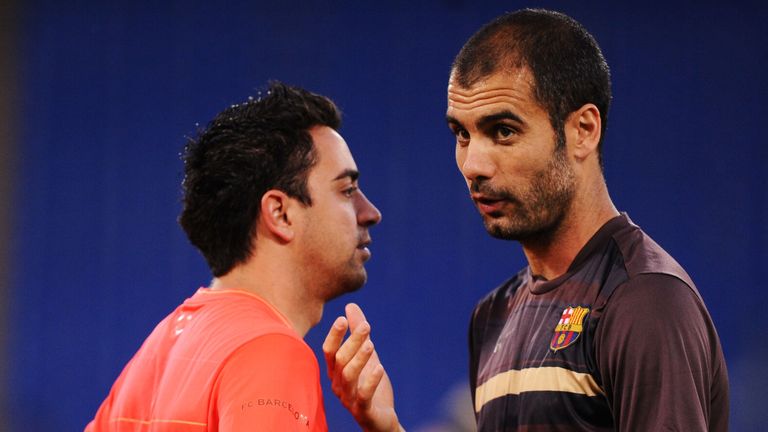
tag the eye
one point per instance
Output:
(462, 136)
(348, 192)
(504, 132)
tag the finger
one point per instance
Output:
(351, 372)
(354, 315)
(350, 347)
(333, 342)
(369, 385)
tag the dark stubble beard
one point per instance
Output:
(537, 211)
(351, 282)
(350, 278)
(345, 283)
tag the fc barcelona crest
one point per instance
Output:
(569, 327)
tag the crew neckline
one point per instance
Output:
(540, 285)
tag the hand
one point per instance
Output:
(357, 377)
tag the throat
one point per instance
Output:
(550, 253)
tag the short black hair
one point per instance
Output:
(246, 150)
(568, 68)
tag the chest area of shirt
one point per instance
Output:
(540, 362)
(540, 331)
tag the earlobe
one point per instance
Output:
(275, 215)
(587, 126)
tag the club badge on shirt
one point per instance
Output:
(569, 327)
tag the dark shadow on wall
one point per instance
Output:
(8, 85)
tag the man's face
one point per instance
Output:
(335, 235)
(506, 148)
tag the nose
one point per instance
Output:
(367, 213)
(474, 160)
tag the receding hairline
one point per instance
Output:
(465, 82)
(495, 48)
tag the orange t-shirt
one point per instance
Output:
(222, 361)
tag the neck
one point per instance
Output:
(551, 255)
(276, 283)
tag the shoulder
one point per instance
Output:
(231, 321)
(278, 343)
(662, 296)
(654, 342)
(655, 283)
(642, 255)
(658, 318)
(499, 296)
(275, 348)
(272, 360)
(231, 328)
(656, 311)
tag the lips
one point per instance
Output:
(363, 247)
(363, 242)
(488, 204)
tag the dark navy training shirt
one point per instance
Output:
(621, 341)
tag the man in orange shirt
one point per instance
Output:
(271, 199)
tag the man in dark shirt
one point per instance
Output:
(603, 330)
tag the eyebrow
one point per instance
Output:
(491, 118)
(501, 115)
(351, 173)
(452, 120)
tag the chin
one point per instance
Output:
(348, 284)
(537, 231)
(502, 233)
(502, 229)
(506, 229)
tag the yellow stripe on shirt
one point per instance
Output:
(149, 422)
(514, 382)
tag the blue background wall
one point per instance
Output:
(108, 93)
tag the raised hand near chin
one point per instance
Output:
(357, 377)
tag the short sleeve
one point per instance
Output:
(270, 383)
(660, 358)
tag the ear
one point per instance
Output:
(276, 216)
(584, 130)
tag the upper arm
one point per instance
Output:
(659, 357)
(270, 383)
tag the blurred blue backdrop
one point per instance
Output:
(109, 91)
